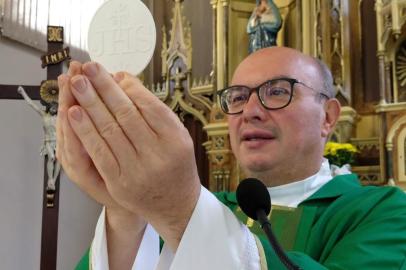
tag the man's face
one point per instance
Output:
(278, 143)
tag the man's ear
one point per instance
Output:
(332, 109)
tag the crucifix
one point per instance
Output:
(47, 93)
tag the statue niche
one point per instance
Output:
(263, 25)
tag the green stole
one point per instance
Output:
(285, 222)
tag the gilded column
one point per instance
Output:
(218, 146)
(222, 42)
(309, 39)
(345, 53)
(213, 4)
(396, 31)
(381, 51)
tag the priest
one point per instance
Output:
(130, 152)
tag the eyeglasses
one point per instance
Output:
(274, 94)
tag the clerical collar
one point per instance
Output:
(292, 194)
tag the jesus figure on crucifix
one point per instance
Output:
(48, 148)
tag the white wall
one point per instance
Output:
(21, 176)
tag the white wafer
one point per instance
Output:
(122, 36)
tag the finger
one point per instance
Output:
(117, 102)
(78, 159)
(65, 101)
(75, 68)
(106, 87)
(119, 76)
(161, 119)
(71, 153)
(157, 116)
(109, 91)
(98, 150)
(104, 122)
(74, 150)
(73, 156)
(59, 128)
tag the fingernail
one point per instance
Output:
(62, 79)
(79, 83)
(90, 69)
(118, 77)
(76, 114)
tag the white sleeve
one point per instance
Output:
(148, 252)
(213, 239)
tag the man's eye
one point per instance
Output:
(276, 92)
(237, 99)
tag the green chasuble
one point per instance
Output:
(341, 226)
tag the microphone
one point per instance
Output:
(254, 200)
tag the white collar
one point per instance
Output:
(292, 194)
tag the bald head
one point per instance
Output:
(272, 62)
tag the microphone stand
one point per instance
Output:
(266, 226)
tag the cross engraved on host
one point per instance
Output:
(120, 33)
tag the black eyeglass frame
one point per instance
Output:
(292, 82)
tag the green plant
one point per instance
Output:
(340, 153)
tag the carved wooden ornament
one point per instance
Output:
(55, 34)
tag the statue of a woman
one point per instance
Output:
(263, 25)
(49, 146)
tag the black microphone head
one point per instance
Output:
(253, 195)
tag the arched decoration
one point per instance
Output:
(395, 145)
(400, 63)
(392, 132)
(401, 153)
(179, 104)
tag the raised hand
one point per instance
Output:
(141, 150)
(70, 152)
(124, 228)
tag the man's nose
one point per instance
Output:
(253, 109)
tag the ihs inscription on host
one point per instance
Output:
(122, 35)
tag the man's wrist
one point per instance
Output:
(123, 220)
(124, 233)
(174, 226)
